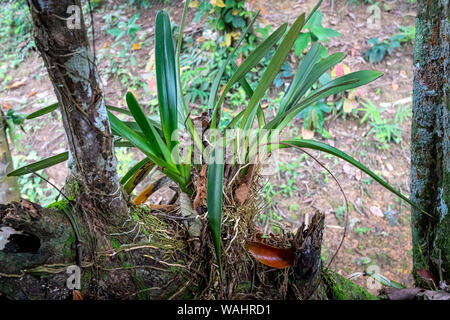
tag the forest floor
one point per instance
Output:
(379, 232)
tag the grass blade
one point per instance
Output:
(214, 199)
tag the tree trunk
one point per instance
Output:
(9, 188)
(39, 246)
(430, 135)
(61, 38)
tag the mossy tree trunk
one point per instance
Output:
(61, 38)
(9, 188)
(430, 135)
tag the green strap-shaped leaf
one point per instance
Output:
(150, 133)
(347, 82)
(166, 77)
(42, 111)
(39, 165)
(320, 146)
(319, 69)
(119, 110)
(252, 60)
(142, 144)
(136, 174)
(214, 199)
(271, 72)
(216, 82)
(54, 160)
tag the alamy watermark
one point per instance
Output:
(73, 282)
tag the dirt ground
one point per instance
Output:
(373, 238)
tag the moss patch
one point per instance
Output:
(341, 288)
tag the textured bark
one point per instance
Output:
(37, 245)
(74, 76)
(9, 188)
(430, 135)
(308, 260)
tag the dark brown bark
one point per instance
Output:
(70, 64)
(430, 135)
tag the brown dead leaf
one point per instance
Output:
(17, 84)
(136, 46)
(76, 295)
(271, 256)
(201, 187)
(425, 275)
(241, 193)
(6, 105)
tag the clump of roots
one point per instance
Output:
(243, 277)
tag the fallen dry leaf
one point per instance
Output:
(6, 105)
(349, 105)
(32, 93)
(201, 187)
(17, 84)
(271, 256)
(136, 46)
(425, 275)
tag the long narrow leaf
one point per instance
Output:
(251, 61)
(141, 143)
(136, 174)
(347, 82)
(318, 70)
(305, 67)
(42, 111)
(216, 82)
(271, 72)
(39, 165)
(153, 138)
(166, 76)
(320, 146)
